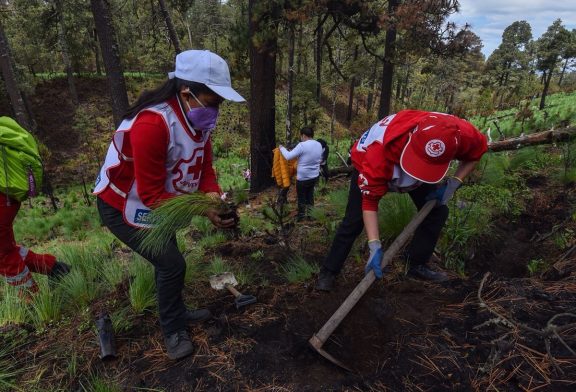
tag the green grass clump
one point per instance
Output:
(47, 305)
(250, 225)
(74, 219)
(202, 224)
(142, 291)
(121, 320)
(298, 270)
(194, 266)
(112, 272)
(212, 240)
(217, 266)
(99, 384)
(12, 310)
(79, 290)
(394, 213)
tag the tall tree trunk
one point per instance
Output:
(370, 100)
(21, 113)
(547, 79)
(399, 82)
(351, 91)
(405, 88)
(170, 26)
(65, 52)
(300, 49)
(262, 92)
(96, 47)
(291, 44)
(388, 68)
(562, 73)
(111, 57)
(318, 57)
(333, 116)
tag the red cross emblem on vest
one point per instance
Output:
(187, 172)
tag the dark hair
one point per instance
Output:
(308, 131)
(169, 89)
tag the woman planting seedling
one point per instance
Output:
(161, 150)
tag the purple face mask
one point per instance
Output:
(203, 118)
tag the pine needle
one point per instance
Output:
(172, 215)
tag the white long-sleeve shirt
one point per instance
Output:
(309, 154)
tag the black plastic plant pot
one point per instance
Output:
(106, 337)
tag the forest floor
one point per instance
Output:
(496, 328)
(480, 332)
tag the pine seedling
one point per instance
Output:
(172, 215)
(217, 266)
(12, 309)
(121, 319)
(79, 289)
(142, 286)
(47, 305)
(298, 270)
(111, 272)
(212, 240)
(279, 215)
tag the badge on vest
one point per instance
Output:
(142, 216)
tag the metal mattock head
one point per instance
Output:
(220, 281)
(316, 344)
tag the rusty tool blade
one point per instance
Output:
(317, 346)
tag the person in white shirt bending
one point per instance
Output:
(309, 155)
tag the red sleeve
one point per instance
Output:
(149, 140)
(208, 181)
(375, 167)
(473, 144)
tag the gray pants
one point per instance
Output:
(169, 268)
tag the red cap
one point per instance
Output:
(430, 149)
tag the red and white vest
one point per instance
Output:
(183, 164)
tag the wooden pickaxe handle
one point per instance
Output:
(233, 290)
(322, 335)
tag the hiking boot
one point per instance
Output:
(178, 345)
(57, 272)
(325, 281)
(195, 316)
(423, 272)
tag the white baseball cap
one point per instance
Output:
(203, 66)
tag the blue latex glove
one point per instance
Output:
(445, 192)
(375, 258)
